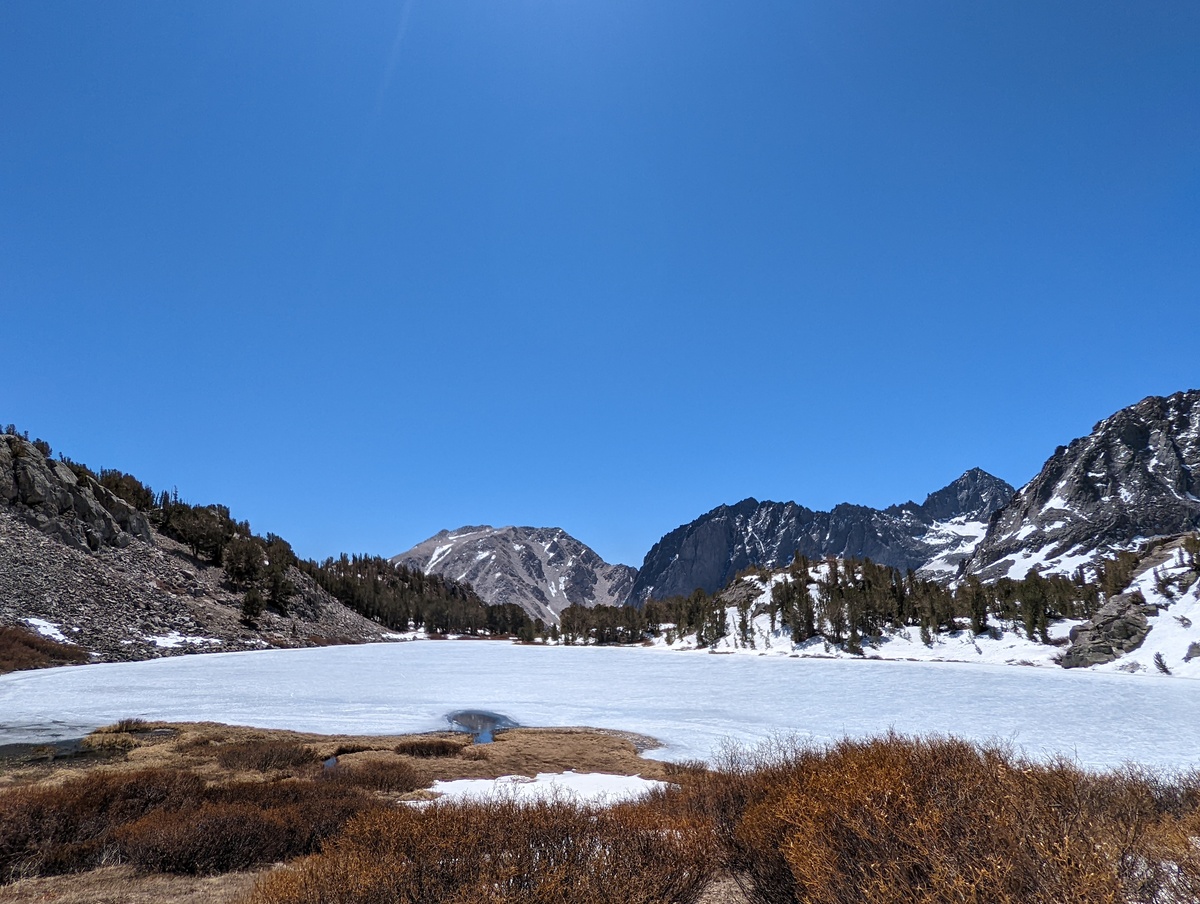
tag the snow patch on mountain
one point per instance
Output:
(1136, 476)
(542, 569)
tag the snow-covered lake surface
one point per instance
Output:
(691, 702)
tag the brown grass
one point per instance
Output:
(23, 649)
(940, 820)
(393, 776)
(881, 821)
(427, 748)
(263, 756)
(122, 885)
(502, 851)
(167, 821)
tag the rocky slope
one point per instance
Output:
(51, 497)
(541, 569)
(80, 565)
(709, 551)
(1154, 624)
(1135, 476)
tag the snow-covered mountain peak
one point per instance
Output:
(542, 569)
(1134, 477)
(709, 551)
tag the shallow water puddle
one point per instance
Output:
(480, 722)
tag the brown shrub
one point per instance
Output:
(502, 851)
(124, 726)
(345, 749)
(428, 748)
(60, 829)
(165, 820)
(22, 649)
(899, 820)
(263, 756)
(376, 775)
(216, 838)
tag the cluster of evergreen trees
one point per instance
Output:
(401, 599)
(258, 567)
(856, 602)
(600, 625)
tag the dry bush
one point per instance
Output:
(110, 742)
(428, 748)
(346, 749)
(899, 820)
(263, 756)
(46, 831)
(376, 775)
(124, 726)
(216, 838)
(165, 820)
(22, 649)
(503, 851)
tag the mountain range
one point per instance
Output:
(542, 569)
(1135, 476)
(102, 569)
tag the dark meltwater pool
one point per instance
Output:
(480, 722)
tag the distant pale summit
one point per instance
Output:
(542, 569)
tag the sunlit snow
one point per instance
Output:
(581, 787)
(693, 703)
(47, 629)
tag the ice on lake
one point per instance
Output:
(692, 702)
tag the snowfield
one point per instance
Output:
(693, 703)
(576, 787)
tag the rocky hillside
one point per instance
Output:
(1135, 476)
(80, 565)
(541, 569)
(73, 508)
(935, 535)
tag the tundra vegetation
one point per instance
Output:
(891, 819)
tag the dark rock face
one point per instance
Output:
(152, 599)
(69, 562)
(709, 551)
(1136, 476)
(1117, 628)
(542, 569)
(49, 495)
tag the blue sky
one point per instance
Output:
(366, 271)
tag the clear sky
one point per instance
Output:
(367, 270)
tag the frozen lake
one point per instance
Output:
(692, 702)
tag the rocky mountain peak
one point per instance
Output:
(708, 552)
(1135, 476)
(542, 569)
(975, 495)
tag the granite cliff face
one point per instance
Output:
(80, 565)
(71, 507)
(1135, 476)
(709, 551)
(542, 569)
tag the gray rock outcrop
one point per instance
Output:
(542, 569)
(1118, 627)
(71, 507)
(151, 599)
(1135, 476)
(708, 552)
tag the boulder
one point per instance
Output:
(1117, 628)
(8, 482)
(62, 504)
